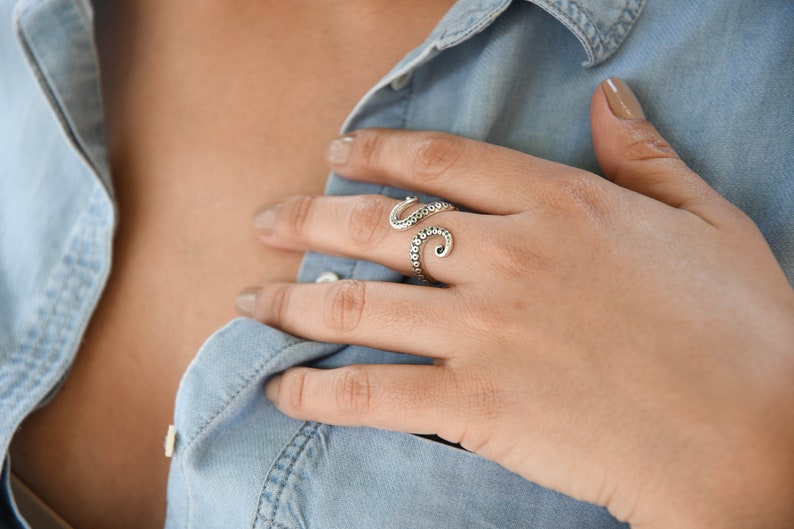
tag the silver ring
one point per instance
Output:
(417, 216)
(424, 234)
(416, 250)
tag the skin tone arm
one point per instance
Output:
(628, 341)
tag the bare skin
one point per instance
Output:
(207, 116)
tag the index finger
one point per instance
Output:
(476, 175)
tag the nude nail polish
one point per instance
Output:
(246, 300)
(339, 150)
(264, 219)
(621, 99)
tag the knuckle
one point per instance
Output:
(479, 401)
(275, 311)
(368, 146)
(495, 320)
(293, 389)
(435, 154)
(367, 221)
(354, 391)
(345, 305)
(485, 399)
(648, 145)
(514, 259)
(294, 214)
(579, 195)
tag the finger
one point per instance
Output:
(633, 154)
(407, 398)
(478, 176)
(389, 316)
(358, 227)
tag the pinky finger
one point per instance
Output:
(403, 398)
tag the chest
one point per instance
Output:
(209, 115)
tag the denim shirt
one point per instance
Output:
(715, 77)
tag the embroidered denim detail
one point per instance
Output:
(600, 31)
(45, 348)
(279, 476)
(466, 20)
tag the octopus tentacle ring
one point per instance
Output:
(417, 216)
(424, 234)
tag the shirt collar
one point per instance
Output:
(58, 39)
(601, 26)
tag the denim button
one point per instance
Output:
(327, 277)
(400, 82)
(170, 440)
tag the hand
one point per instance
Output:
(628, 341)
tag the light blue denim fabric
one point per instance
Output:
(715, 76)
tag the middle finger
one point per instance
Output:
(367, 313)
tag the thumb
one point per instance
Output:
(633, 154)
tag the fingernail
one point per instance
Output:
(271, 389)
(264, 219)
(246, 300)
(621, 99)
(339, 150)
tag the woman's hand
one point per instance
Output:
(627, 341)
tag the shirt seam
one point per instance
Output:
(451, 38)
(50, 364)
(604, 44)
(246, 383)
(300, 441)
(196, 434)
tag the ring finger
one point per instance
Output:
(358, 227)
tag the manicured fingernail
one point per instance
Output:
(339, 150)
(621, 99)
(246, 300)
(271, 389)
(264, 219)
